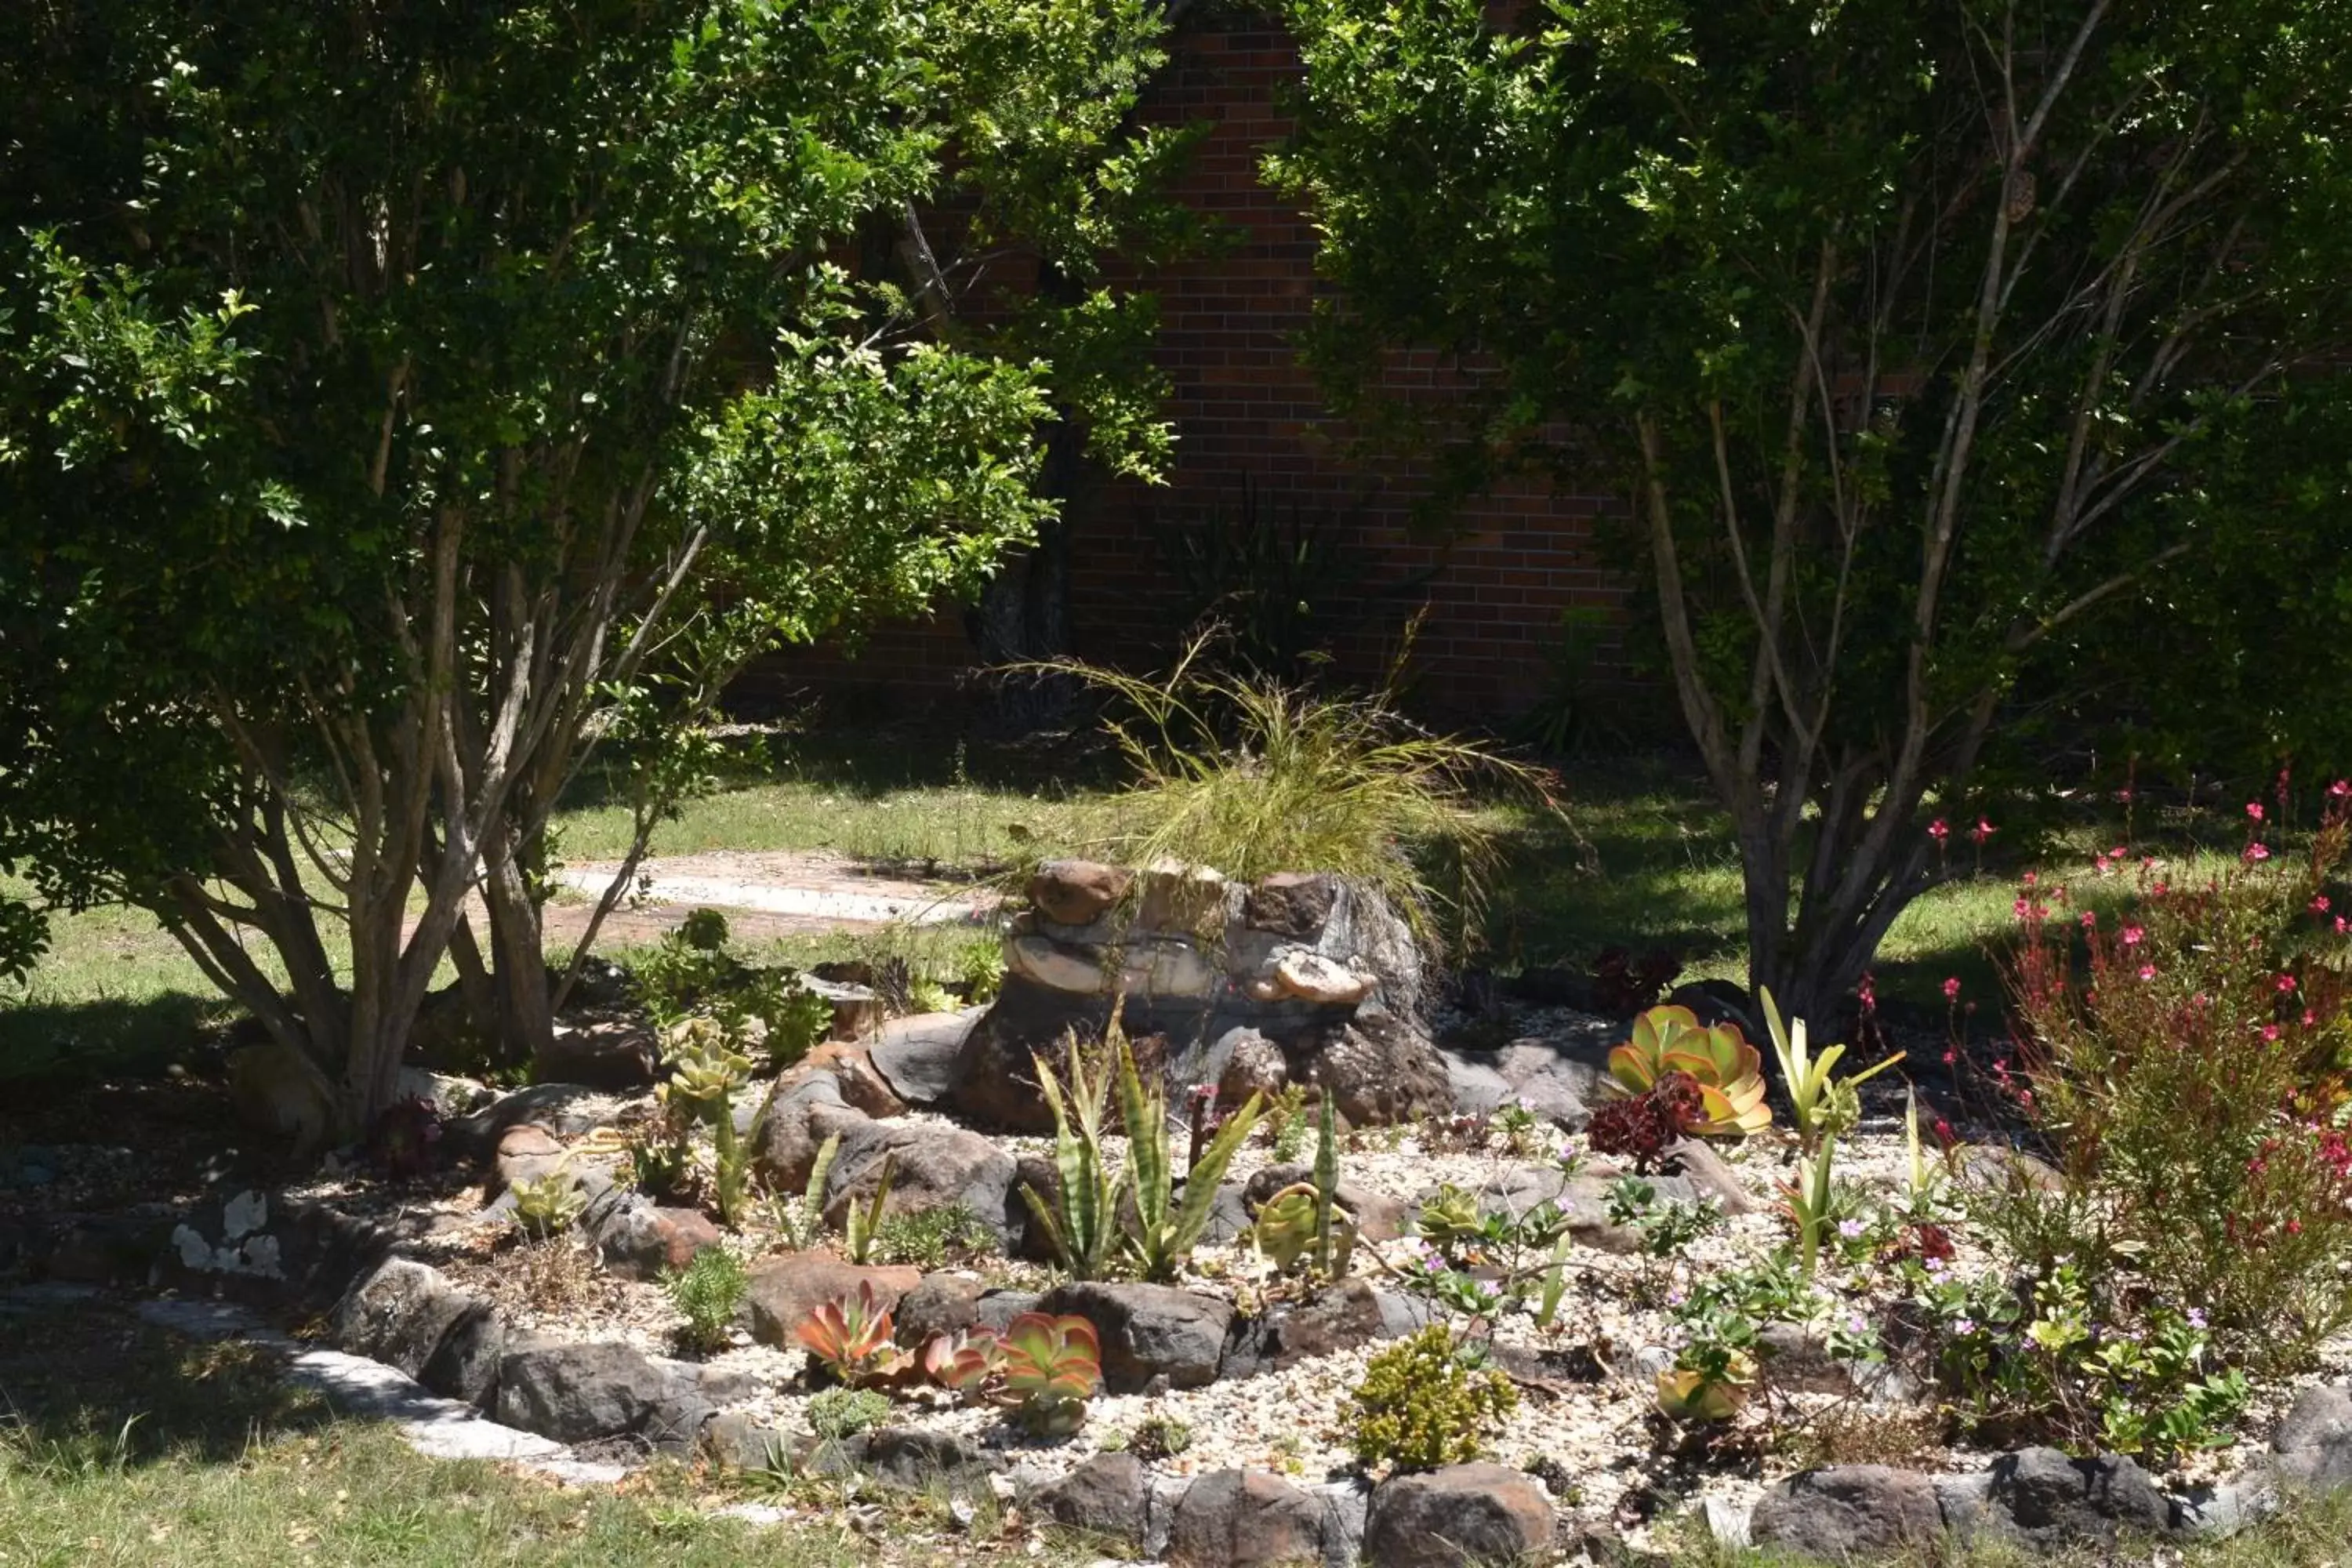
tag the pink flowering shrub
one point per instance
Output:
(2186, 1064)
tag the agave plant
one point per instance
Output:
(1825, 1105)
(1167, 1228)
(1728, 1071)
(1051, 1366)
(1082, 1223)
(851, 1335)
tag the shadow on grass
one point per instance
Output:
(68, 1044)
(92, 1390)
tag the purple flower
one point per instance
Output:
(1851, 1229)
(2196, 1317)
(1964, 1325)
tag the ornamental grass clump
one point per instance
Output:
(2187, 1065)
(1253, 776)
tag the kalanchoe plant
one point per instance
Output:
(851, 1336)
(1727, 1072)
(964, 1363)
(1051, 1366)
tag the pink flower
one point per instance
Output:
(2286, 983)
(2319, 904)
(1981, 831)
(2340, 788)
(2090, 921)
(2255, 809)
(2148, 971)
(2257, 852)
(1939, 830)
(1952, 989)
(2339, 925)
(2018, 907)
(2132, 935)
(2270, 1033)
(2118, 853)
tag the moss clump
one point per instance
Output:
(1428, 1402)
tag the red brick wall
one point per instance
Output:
(1245, 411)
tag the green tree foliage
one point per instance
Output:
(400, 405)
(1931, 345)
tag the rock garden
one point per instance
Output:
(1220, 1225)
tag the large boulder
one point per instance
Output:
(783, 1290)
(931, 1166)
(2313, 1447)
(1849, 1511)
(609, 1054)
(408, 1315)
(2046, 1500)
(1076, 892)
(640, 1239)
(786, 1134)
(1461, 1515)
(1377, 1067)
(1245, 1518)
(577, 1393)
(917, 1056)
(1149, 1332)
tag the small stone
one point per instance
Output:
(1461, 1515)
(1245, 1518)
(1291, 903)
(1074, 892)
(861, 1087)
(1106, 1495)
(1180, 899)
(1311, 977)
(2046, 1500)
(1056, 967)
(1849, 1510)
(642, 1241)
(941, 1304)
(1254, 1066)
(785, 1291)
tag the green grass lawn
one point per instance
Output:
(1661, 872)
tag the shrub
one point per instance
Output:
(708, 1290)
(2187, 1071)
(838, 1413)
(1427, 1403)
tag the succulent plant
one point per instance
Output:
(852, 1337)
(1690, 1394)
(964, 1363)
(1051, 1367)
(547, 1207)
(1289, 1224)
(1727, 1070)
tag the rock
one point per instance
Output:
(1377, 1069)
(1165, 970)
(2045, 1500)
(1050, 964)
(1252, 1065)
(742, 1442)
(1378, 1216)
(916, 1056)
(788, 1134)
(640, 1240)
(1714, 1002)
(1347, 1506)
(940, 1304)
(912, 1457)
(1553, 1079)
(1311, 977)
(1074, 892)
(1365, 932)
(1461, 1515)
(610, 1054)
(1988, 1165)
(1797, 1360)
(407, 1315)
(1106, 1496)
(1149, 1332)
(855, 1078)
(931, 1167)
(2314, 1444)
(1478, 1088)
(574, 1393)
(1178, 898)
(1339, 1318)
(1245, 1518)
(1034, 1173)
(1849, 1511)
(856, 1009)
(527, 1152)
(565, 1110)
(785, 1291)
(1291, 903)
(1710, 1176)
(997, 1309)
(995, 1078)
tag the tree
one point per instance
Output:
(401, 406)
(1913, 332)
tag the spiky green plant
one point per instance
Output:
(864, 1221)
(1253, 776)
(1166, 1228)
(707, 1292)
(1081, 1224)
(1824, 1105)
(1327, 1186)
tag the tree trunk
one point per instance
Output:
(525, 1018)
